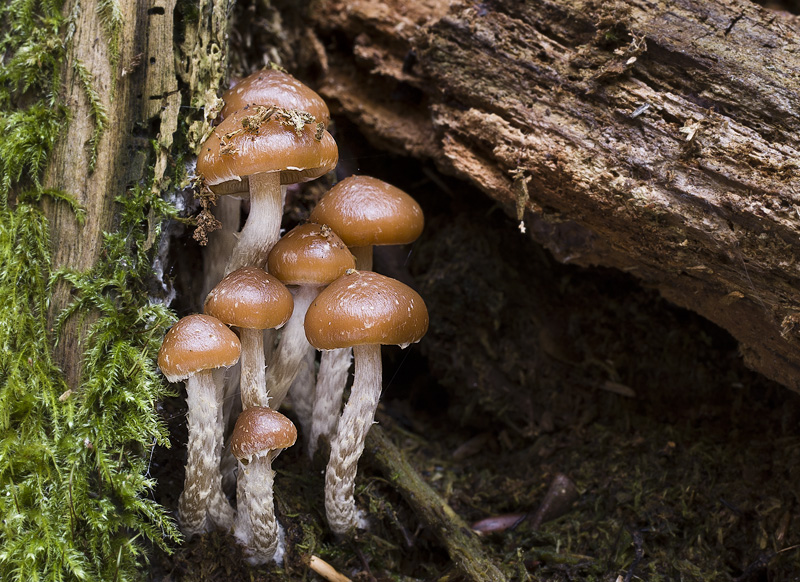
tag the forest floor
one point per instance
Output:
(684, 463)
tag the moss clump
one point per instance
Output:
(74, 482)
(33, 51)
(73, 466)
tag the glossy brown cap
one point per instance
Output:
(365, 211)
(250, 298)
(259, 430)
(275, 87)
(309, 254)
(363, 307)
(196, 343)
(232, 152)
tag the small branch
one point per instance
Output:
(325, 570)
(462, 545)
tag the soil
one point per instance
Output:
(684, 461)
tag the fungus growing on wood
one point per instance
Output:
(192, 348)
(365, 211)
(361, 310)
(259, 436)
(307, 258)
(273, 86)
(252, 300)
(269, 146)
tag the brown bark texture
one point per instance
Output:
(659, 138)
(134, 85)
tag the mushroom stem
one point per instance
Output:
(288, 356)
(334, 366)
(256, 526)
(303, 389)
(363, 256)
(333, 369)
(348, 444)
(263, 226)
(253, 376)
(202, 504)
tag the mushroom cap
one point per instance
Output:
(309, 254)
(361, 308)
(250, 298)
(260, 430)
(275, 87)
(196, 343)
(232, 152)
(366, 211)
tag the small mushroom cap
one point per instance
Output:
(366, 211)
(250, 298)
(362, 308)
(309, 254)
(233, 152)
(260, 430)
(275, 87)
(196, 343)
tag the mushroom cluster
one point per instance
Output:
(316, 284)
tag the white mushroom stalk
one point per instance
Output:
(253, 378)
(348, 444)
(256, 527)
(263, 227)
(202, 505)
(292, 347)
(302, 390)
(334, 368)
(363, 256)
(192, 349)
(258, 437)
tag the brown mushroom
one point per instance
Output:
(192, 348)
(252, 300)
(365, 212)
(307, 258)
(273, 86)
(259, 436)
(361, 310)
(271, 146)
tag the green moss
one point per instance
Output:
(74, 482)
(110, 13)
(97, 109)
(33, 52)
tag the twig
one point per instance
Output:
(460, 542)
(325, 570)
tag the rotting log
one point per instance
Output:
(659, 138)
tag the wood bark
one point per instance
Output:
(134, 86)
(660, 138)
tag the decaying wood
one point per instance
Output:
(134, 88)
(660, 138)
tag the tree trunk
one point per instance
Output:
(116, 80)
(655, 137)
(121, 86)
